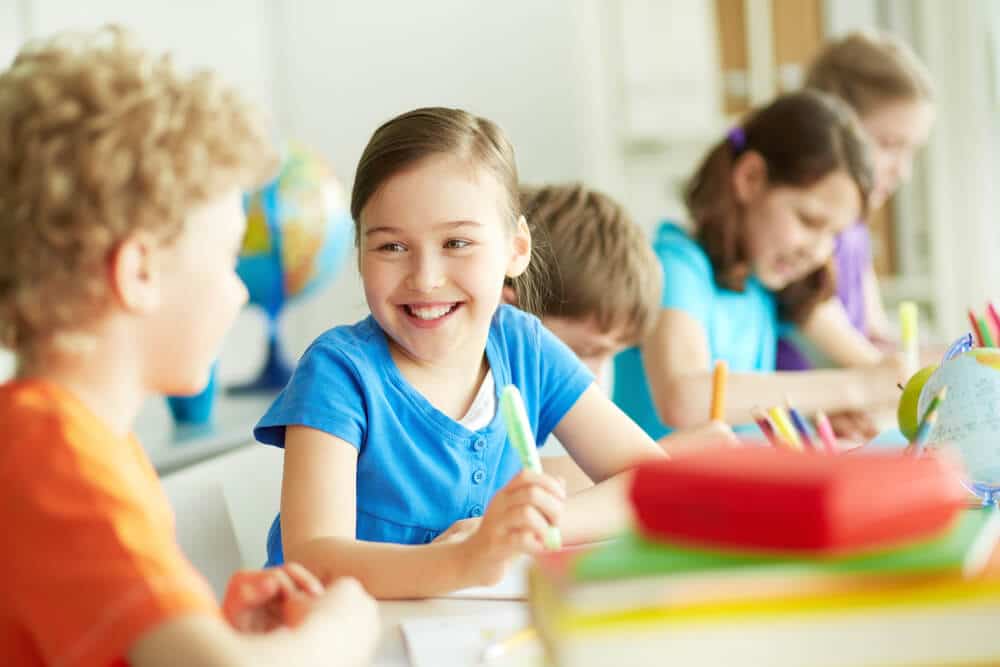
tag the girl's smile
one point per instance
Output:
(429, 315)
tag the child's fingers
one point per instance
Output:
(526, 541)
(284, 582)
(524, 518)
(540, 499)
(528, 478)
(254, 586)
(296, 607)
(303, 579)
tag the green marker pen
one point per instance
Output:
(520, 436)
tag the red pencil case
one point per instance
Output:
(773, 500)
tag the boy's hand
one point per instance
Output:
(351, 614)
(516, 522)
(262, 600)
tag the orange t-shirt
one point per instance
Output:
(92, 560)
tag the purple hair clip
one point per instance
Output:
(737, 138)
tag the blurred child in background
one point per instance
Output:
(766, 206)
(603, 296)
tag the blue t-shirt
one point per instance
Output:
(742, 327)
(419, 470)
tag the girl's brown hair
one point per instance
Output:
(802, 137)
(869, 70)
(422, 133)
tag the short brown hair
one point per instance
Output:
(604, 266)
(868, 70)
(416, 135)
(100, 139)
(802, 137)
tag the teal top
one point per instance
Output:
(742, 327)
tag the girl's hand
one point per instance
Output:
(515, 523)
(262, 600)
(710, 434)
(852, 425)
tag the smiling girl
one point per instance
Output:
(390, 426)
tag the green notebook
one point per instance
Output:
(965, 548)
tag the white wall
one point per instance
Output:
(10, 30)
(231, 36)
(330, 72)
(352, 65)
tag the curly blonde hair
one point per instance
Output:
(100, 139)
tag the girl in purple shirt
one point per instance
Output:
(890, 89)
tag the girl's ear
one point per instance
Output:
(749, 176)
(520, 249)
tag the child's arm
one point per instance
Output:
(709, 434)
(564, 468)
(606, 444)
(676, 359)
(829, 330)
(318, 516)
(876, 319)
(686, 440)
(339, 630)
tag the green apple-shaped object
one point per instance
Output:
(906, 413)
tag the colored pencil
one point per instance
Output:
(974, 321)
(825, 432)
(519, 433)
(993, 318)
(784, 426)
(497, 649)
(984, 329)
(927, 423)
(719, 377)
(801, 426)
(909, 335)
(767, 428)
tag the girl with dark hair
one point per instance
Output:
(766, 206)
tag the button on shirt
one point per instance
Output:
(419, 470)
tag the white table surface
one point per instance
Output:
(391, 651)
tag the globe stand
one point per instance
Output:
(988, 494)
(195, 412)
(276, 371)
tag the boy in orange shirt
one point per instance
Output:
(121, 220)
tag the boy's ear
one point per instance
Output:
(749, 176)
(133, 273)
(520, 249)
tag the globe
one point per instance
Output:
(969, 418)
(299, 232)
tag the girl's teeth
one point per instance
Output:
(431, 313)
